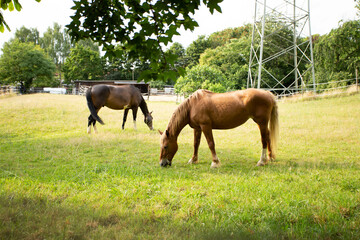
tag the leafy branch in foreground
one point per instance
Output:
(141, 28)
(11, 5)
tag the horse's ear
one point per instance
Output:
(160, 132)
(151, 112)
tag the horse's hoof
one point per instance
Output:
(260, 164)
(192, 162)
(215, 165)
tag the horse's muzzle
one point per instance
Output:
(165, 163)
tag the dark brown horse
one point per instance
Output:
(205, 111)
(116, 97)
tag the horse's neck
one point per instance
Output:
(143, 106)
(178, 121)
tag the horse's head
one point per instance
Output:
(168, 149)
(148, 120)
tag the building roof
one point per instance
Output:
(114, 81)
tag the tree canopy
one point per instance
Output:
(140, 27)
(205, 77)
(337, 54)
(134, 35)
(28, 35)
(25, 64)
(231, 59)
(83, 63)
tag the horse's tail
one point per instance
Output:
(274, 128)
(92, 107)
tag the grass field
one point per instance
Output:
(58, 182)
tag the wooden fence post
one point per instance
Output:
(357, 80)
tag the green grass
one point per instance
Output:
(58, 182)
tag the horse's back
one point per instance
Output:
(126, 96)
(259, 103)
(228, 110)
(99, 94)
(220, 110)
(116, 97)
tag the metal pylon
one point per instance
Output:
(294, 50)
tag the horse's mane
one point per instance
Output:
(180, 117)
(143, 106)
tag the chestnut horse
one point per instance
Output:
(116, 97)
(205, 110)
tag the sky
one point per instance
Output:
(325, 15)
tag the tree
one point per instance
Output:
(231, 59)
(179, 65)
(357, 6)
(195, 49)
(83, 63)
(124, 68)
(56, 43)
(11, 5)
(206, 77)
(25, 64)
(140, 27)
(88, 43)
(337, 54)
(178, 50)
(225, 36)
(28, 35)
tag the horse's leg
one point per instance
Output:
(94, 126)
(207, 130)
(90, 120)
(94, 122)
(265, 140)
(197, 138)
(134, 111)
(124, 118)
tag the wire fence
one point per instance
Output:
(319, 88)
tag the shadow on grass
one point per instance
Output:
(39, 218)
(88, 163)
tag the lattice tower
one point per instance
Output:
(281, 36)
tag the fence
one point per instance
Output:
(320, 88)
(8, 90)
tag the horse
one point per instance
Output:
(205, 110)
(116, 97)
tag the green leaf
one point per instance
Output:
(17, 5)
(181, 71)
(11, 6)
(3, 24)
(214, 5)
(145, 75)
(4, 5)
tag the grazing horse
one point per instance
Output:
(205, 110)
(116, 97)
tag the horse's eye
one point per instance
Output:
(165, 147)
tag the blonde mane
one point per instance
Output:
(179, 119)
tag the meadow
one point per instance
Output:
(58, 182)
